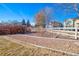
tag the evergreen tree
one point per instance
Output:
(28, 23)
(23, 22)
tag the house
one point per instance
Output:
(55, 24)
(71, 22)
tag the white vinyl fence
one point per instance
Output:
(66, 30)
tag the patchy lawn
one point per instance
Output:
(8, 48)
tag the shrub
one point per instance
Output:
(14, 29)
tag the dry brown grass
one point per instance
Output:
(8, 48)
(66, 45)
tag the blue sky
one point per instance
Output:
(19, 11)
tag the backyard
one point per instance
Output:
(10, 48)
(38, 44)
(39, 29)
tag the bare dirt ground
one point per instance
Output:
(8, 48)
(71, 46)
(54, 34)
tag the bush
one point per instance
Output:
(14, 29)
(5, 31)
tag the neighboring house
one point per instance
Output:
(77, 22)
(56, 24)
(71, 22)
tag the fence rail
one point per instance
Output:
(66, 30)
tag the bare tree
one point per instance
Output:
(76, 8)
(69, 7)
(48, 15)
(44, 17)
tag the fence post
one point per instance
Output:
(75, 30)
